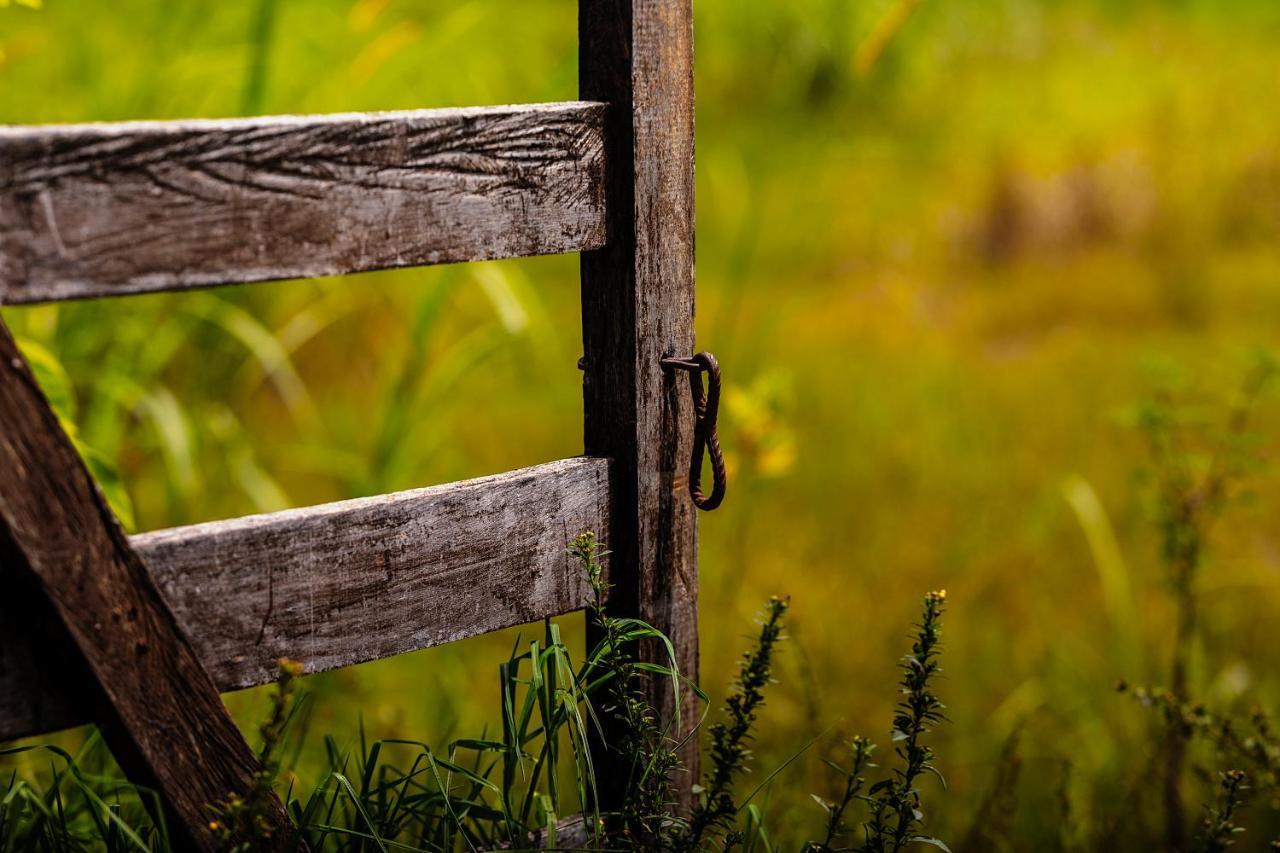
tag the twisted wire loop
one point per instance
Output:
(706, 406)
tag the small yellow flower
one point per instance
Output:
(289, 667)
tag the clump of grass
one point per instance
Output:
(716, 809)
(84, 805)
(647, 820)
(510, 792)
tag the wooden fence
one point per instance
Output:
(140, 633)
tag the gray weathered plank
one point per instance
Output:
(107, 209)
(637, 307)
(72, 579)
(347, 582)
(572, 833)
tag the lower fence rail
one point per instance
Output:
(347, 582)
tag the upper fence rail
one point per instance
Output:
(136, 207)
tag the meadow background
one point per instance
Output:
(939, 262)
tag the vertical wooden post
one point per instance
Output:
(637, 307)
(64, 552)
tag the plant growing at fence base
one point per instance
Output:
(716, 810)
(646, 821)
(508, 791)
(893, 818)
(238, 823)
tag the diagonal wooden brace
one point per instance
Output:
(61, 547)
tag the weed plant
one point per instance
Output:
(716, 810)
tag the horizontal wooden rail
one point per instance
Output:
(345, 583)
(108, 209)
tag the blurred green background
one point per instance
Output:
(941, 248)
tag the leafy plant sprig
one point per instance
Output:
(896, 816)
(862, 750)
(731, 739)
(1220, 829)
(1250, 743)
(240, 824)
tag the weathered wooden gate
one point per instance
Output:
(139, 633)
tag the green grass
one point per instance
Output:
(511, 789)
(935, 290)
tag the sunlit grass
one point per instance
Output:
(935, 289)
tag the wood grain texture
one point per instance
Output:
(637, 307)
(64, 554)
(107, 209)
(347, 582)
(572, 833)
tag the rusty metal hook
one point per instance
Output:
(706, 406)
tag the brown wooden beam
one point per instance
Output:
(64, 553)
(346, 582)
(637, 307)
(108, 209)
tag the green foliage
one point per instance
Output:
(1219, 827)
(837, 829)
(716, 810)
(643, 742)
(58, 390)
(82, 804)
(483, 793)
(239, 823)
(896, 814)
(1196, 472)
(931, 286)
